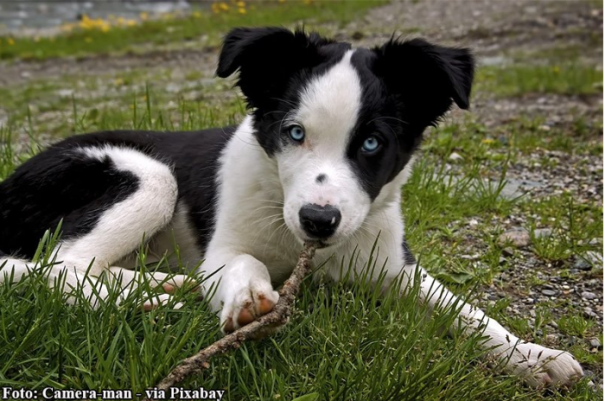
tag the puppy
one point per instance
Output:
(322, 156)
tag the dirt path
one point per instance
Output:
(499, 32)
(490, 28)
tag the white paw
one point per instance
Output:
(170, 283)
(78, 286)
(245, 301)
(540, 366)
(155, 300)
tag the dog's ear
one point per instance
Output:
(266, 59)
(426, 77)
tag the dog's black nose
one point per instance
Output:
(319, 221)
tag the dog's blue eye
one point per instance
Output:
(297, 133)
(370, 145)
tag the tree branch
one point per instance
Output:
(277, 317)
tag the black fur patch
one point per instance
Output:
(274, 64)
(407, 254)
(407, 86)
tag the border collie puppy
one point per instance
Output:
(322, 156)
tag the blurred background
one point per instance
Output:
(38, 17)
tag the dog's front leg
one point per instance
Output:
(241, 291)
(537, 365)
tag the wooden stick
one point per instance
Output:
(277, 317)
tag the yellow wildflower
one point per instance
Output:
(556, 69)
(215, 8)
(197, 14)
(143, 16)
(131, 22)
(281, 1)
(488, 141)
(224, 6)
(10, 41)
(241, 4)
(241, 10)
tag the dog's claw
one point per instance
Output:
(155, 301)
(266, 306)
(229, 327)
(169, 288)
(245, 316)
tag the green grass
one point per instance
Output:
(341, 344)
(564, 79)
(201, 29)
(344, 342)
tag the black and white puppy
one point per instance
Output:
(322, 156)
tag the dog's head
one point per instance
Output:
(341, 123)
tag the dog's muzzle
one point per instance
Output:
(319, 222)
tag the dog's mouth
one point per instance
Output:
(318, 243)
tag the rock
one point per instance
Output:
(551, 339)
(475, 256)
(588, 312)
(549, 293)
(455, 156)
(357, 35)
(518, 238)
(542, 232)
(595, 343)
(588, 295)
(173, 88)
(594, 258)
(582, 264)
(65, 93)
(508, 251)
